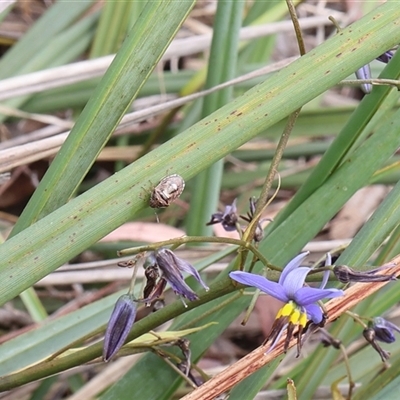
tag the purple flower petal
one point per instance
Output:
(314, 312)
(307, 295)
(295, 281)
(180, 287)
(272, 288)
(328, 261)
(293, 264)
(171, 267)
(186, 267)
(384, 330)
(228, 218)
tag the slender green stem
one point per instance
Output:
(377, 82)
(356, 318)
(348, 370)
(261, 203)
(198, 239)
(163, 354)
(296, 25)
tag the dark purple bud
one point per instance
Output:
(172, 267)
(365, 73)
(259, 232)
(345, 274)
(370, 337)
(119, 325)
(384, 330)
(228, 218)
(385, 57)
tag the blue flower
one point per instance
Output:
(300, 301)
(384, 330)
(119, 326)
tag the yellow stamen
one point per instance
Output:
(294, 317)
(287, 309)
(303, 319)
(293, 314)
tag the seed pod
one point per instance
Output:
(167, 191)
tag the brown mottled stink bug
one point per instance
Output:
(167, 191)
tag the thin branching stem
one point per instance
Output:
(198, 239)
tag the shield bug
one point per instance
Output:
(167, 191)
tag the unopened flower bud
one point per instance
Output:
(119, 325)
(259, 231)
(365, 73)
(345, 274)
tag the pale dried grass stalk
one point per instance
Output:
(76, 72)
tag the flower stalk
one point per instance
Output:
(199, 239)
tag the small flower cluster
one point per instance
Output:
(166, 268)
(300, 316)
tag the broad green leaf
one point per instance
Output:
(121, 83)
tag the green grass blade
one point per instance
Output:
(120, 85)
(59, 17)
(66, 46)
(249, 387)
(380, 97)
(221, 68)
(376, 230)
(112, 28)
